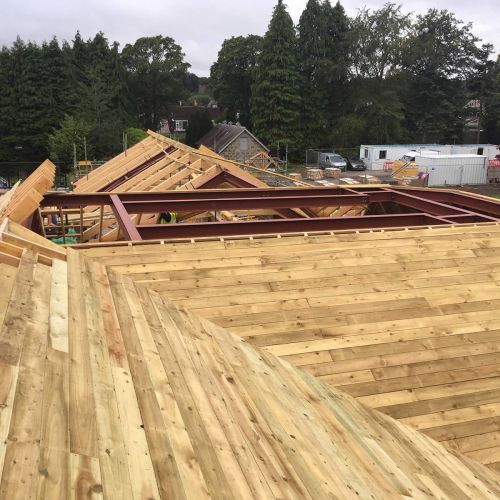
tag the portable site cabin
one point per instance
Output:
(454, 170)
(379, 157)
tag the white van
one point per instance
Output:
(329, 160)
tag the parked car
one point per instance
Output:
(355, 164)
(331, 160)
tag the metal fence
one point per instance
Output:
(11, 172)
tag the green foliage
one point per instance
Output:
(232, 76)
(384, 76)
(199, 99)
(442, 54)
(92, 81)
(135, 135)
(199, 124)
(70, 134)
(323, 54)
(156, 70)
(312, 51)
(491, 103)
(276, 100)
(378, 40)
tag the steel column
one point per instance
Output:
(127, 227)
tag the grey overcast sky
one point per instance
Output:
(199, 26)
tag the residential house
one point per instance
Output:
(179, 118)
(233, 142)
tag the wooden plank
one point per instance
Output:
(85, 478)
(58, 322)
(54, 477)
(82, 412)
(20, 471)
(115, 473)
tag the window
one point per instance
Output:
(181, 125)
(480, 151)
(382, 154)
(244, 143)
(366, 152)
(407, 158)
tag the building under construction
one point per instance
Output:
(263, 342)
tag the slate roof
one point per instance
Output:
(224, 134)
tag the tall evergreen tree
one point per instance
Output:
(336, 71)
(312, 43)
(276, 101)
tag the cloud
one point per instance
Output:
(199, 26)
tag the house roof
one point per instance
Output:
(224, 134)
(112, 390)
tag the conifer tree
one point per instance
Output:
(276, 102)
(335, 72)
(312, 43)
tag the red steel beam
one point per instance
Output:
(470, 202)
(127, 227)
(429, 206)
(282, 226)
(91, 199)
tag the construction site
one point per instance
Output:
(180, 325)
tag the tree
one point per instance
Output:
(491, 103)
(276, 101)
(442, 54)
(232, 76)
(378, 40)
(199, 100)
(101, 93)
(376, 88)
(336, 70)
(70, 134)
(135, 135)
(156, 71)
(312, 42)
(199, 124)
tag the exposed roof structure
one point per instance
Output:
(295, 210)
(224, 134)
(313, 365)
(111, 390)
(24, 198)
(157, 164)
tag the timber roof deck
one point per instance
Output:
(110, 391)
(404, 320)
(256, 367)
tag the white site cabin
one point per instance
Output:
(376, 157)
